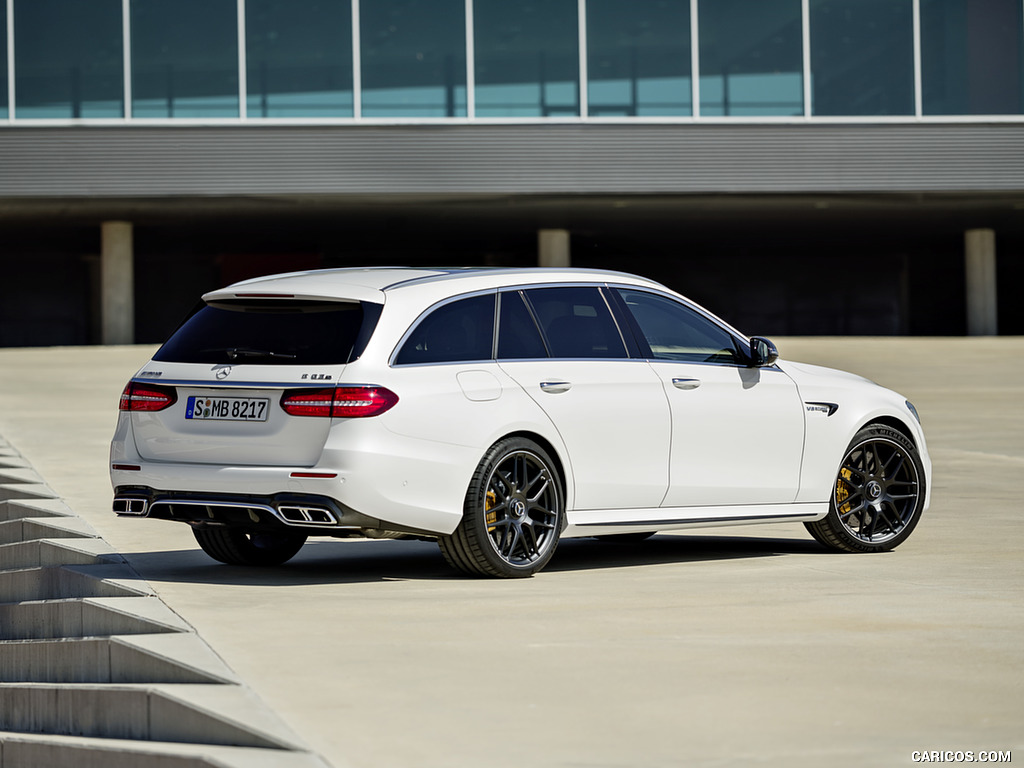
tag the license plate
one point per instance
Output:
(227, 408)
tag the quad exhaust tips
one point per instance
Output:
(290, 514)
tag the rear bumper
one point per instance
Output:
(364, 473)
(310, 513)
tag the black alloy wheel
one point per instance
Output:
(513, 513)
(878, 494)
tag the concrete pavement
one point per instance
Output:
(718, 647)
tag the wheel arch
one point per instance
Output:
(551, 451)
(895, 423)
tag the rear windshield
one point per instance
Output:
(273, 332)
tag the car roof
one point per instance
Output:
(373, 283)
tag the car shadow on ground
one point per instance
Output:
(361, 561)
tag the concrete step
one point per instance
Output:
(176, 713)
(66, 618)
(21, 508)
(10, 491)
(30, 529)
(45, 552)
(56, 582)
(96, 670)
(166, 658)
(30, 751)
(24, 474)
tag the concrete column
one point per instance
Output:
(553, 248)
(980, 261)
(117, 284)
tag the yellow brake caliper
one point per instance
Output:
(489, 505)
(842, 491)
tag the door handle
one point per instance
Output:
(685, 383)
(555, 387)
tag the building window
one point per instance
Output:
(751, 57)
(184, 58)
(527, 58)
(972, 57)
(862, 57)
(298, 58)
(413, 58)
(4, 96)
(69, 59)
(638, 58)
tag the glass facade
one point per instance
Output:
(69, 59)
(751, 58)
(510, 59)
(862, 57)
(184, 58)
(298, 58)
(413, 58)
(4, 98)
(972, 57)
(527, 58)
(638, 58)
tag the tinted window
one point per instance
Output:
(638, 57)
(862, 57)
(673, 331)
(271, 333)
(68, 58)
(527, 58)
(184, 58)
(518, 335)
(576, 322)
(3, 65)
(751, 57)
(458, 331)
(413, 58)
(298, 58)
(972, 57)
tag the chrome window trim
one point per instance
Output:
(600, 285)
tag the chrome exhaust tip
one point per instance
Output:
(303, 515)
(126, 505)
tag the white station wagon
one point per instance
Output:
(497, 411)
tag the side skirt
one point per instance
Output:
(602, 522)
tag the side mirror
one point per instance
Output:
(762, 352)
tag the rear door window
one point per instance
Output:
(273, 332)
(518, 335)
(577, 322)
(459, 331)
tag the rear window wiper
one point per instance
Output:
(234, 353)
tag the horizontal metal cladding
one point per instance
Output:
(137, 160)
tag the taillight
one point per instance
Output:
(146, 397)
(307, 402)
(339, 402)
(356, 402)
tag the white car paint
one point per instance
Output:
(642, 445)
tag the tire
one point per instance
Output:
(512, 515)
(236, 546)
(878, 494)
